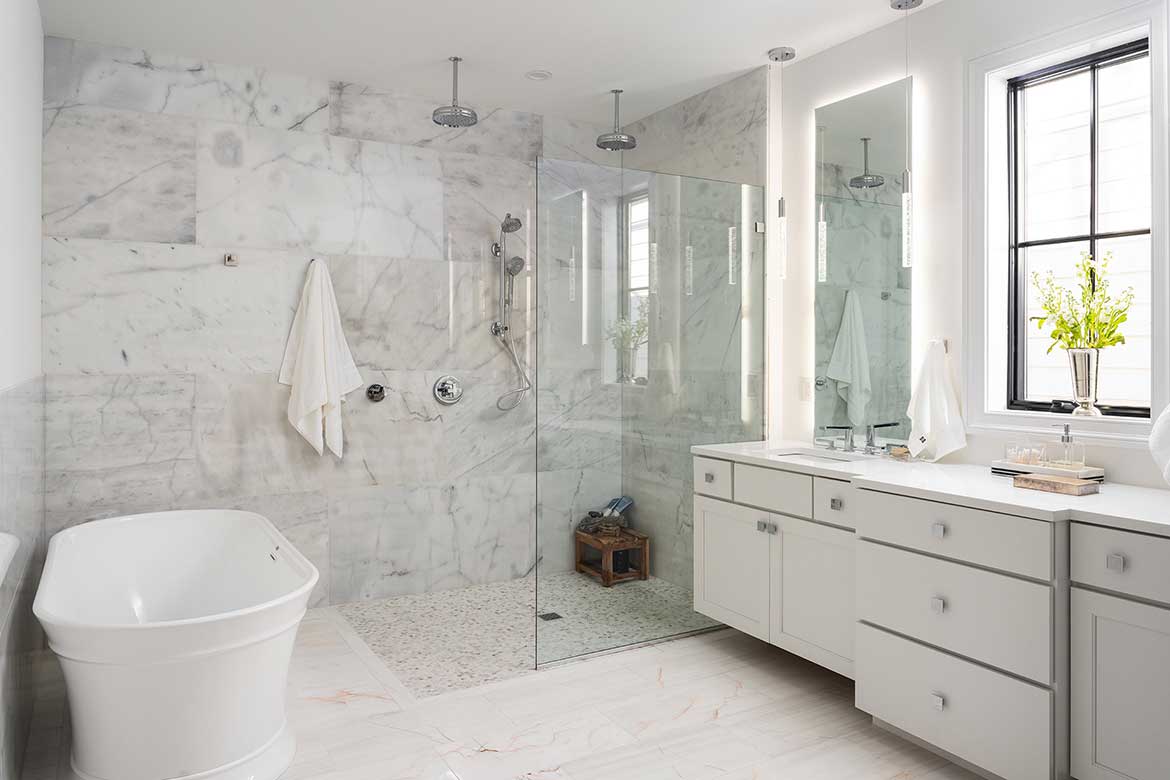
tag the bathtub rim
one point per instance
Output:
(296, 556)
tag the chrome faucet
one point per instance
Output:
(848, 436)
(871, 436)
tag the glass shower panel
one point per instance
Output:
(649, 340)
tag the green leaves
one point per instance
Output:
(626, 334)
(1087, 317)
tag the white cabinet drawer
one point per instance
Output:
(776, 491)
(994, 721)
(1015, 544)
(713, 478)
(1134, 564)
(992, 618)
(833, 502)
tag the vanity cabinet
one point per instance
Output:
(768, 565)
(1120, 655)
(962, 615)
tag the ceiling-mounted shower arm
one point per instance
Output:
(455, 79)
(616, 141)
(454, 115)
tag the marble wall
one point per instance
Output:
(719, 134)
(162, 362)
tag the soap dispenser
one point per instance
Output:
(1067, 454)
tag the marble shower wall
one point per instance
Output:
(162, 362)
(719, 134)
(864, 252)
(22, 509)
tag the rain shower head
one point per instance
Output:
(514, 266)
(617, 141)
(867, 180)
(510, 224)
(454, 115)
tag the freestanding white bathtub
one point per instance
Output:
(175, 631)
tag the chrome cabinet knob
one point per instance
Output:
(938, 605)
(1116, 562)
(708, 477)
(938, 701)
(938, 530)
(762, 526)
(773, 529)
(836, 504)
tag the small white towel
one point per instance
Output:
(849, 365)
(318, 364)
(1160, 443)
(936, 422)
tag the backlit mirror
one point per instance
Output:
(862, 268)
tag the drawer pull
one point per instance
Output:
(938, 605)
(708, 477)
(836, 504)
(1116, 562)
(762, 525)
(938, 701)
(938, 530)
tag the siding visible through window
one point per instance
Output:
(1079, 180)
(637, 283)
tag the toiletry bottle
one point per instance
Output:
(1068, 453)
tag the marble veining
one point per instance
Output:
(359, 111)
(720, 706)
(277, 189)
(118, 174)
(78, 73)
(717, 134)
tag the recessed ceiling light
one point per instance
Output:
(538, 75)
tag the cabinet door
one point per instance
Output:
(813, 596)
(1120, 688)
(732, 565)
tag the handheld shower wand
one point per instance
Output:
(502, 327)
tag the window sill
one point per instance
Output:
(1120, 431)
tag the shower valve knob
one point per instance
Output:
(376, 393)
(448, 390)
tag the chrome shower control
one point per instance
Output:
(448, 390)
(376, 393)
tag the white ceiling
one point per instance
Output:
(659, 51)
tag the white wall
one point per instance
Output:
(21, 82)
(944, 38)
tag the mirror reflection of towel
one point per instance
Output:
(849, 365)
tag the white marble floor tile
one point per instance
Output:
(650, 713)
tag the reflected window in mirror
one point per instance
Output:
(1079, 160)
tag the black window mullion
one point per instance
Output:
(1017, 248)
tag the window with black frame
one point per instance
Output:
(1079, 182)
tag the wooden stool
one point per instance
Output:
(607, 545)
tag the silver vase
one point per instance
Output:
(1083, 365)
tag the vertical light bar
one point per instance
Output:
(572, 274)
(745, 306)
(731, 252)
(782, 237)
(907, 223)
(822, 246)
(584, 268)
(689, 270)
(652, 271)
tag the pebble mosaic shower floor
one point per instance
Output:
(444, 641)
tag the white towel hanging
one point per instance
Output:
(1160, 443)
(849, 364)
(936, 421)
(318, 364)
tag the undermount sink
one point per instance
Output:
(806, 454)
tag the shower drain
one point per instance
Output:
(549, 616)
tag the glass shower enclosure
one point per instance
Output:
(649, 339)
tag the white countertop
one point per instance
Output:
(1132, 508)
